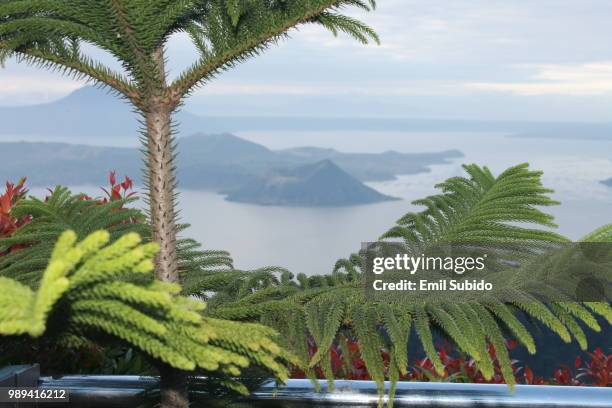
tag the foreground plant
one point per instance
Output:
(28, 249)
(480, 208)
(51, 33)
(92, 287)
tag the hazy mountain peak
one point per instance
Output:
(92, 96)
(321, 165)
(326, 164)
(317, 184)
(323, 168)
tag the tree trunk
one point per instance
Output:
(161, 183)
(161, 194)
(173, 388)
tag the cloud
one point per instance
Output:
(427, 31)
(482, 31)
(28, 89)
(574, 80)
(395, 88)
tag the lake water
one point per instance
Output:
(310, 240)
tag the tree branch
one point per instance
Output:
(142, 61)
(80, 67)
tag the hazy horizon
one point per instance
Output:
(477, 59)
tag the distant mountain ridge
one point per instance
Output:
(236, 156)
(90, 113)
(50, 164)
(227, 164)
(375, 166)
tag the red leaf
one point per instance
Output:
(5, 204)
(577, 362)
(528, 375)
(116, 192)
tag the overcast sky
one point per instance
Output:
(472, 59)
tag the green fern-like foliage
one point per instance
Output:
(92, 287)
(496, 211)
(201, 271)
(63, 210)
(59, 212)
(23, 311)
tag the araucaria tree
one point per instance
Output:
(54, 34)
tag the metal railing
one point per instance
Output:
(123, 391)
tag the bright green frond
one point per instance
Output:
(97, 286)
